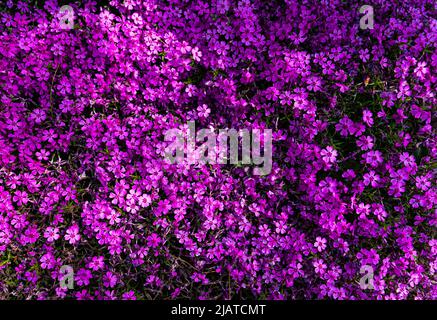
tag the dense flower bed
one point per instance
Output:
(82, 177)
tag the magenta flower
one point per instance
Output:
(20, 197)
(371, 178)
(84, 181)
(51, 234)
(319, 266)
(96, 263)
(373, 158)
(83, 277)
(72, 235)
(110, 280)
(329, 155)
(320, 244)
(153, 240)
(367, 117)
(365, 143)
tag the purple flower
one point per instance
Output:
(20, 197)
(329, 155)
(110, 280)
(51, 234)
(83, 179)
(320, 244)
(72, 235)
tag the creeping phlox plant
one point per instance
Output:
(87, 93)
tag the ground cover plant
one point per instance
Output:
(84, 188)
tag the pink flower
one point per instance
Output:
(365, 142)
(421, 70)
(96, 263)
(197, 54)
(130, 295)
(345, 126)
(371, 178)
(380, 212)
(319, 266)
(329, 155)
(363, 210)
(367, 117)
(423, 183)
(320, 244)
(42, 155)
(72, 234)
(153, 240)
(407, 159)
(373, 158)
(20, 197)
(203, 111)
(51, 234)
(110, 280)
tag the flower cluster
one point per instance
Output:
(83, 181)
